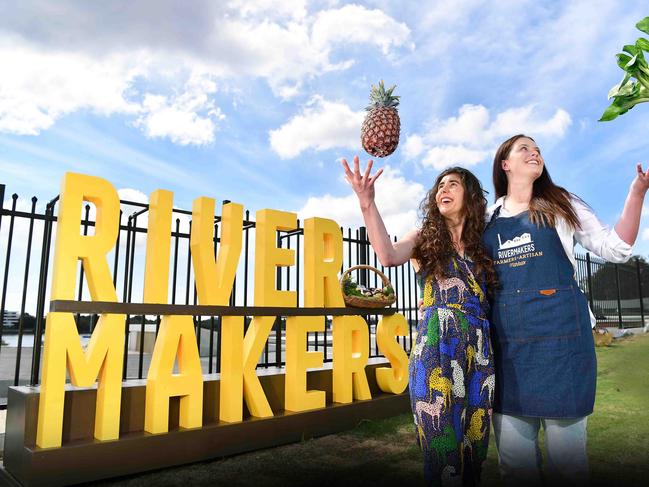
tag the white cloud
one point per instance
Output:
(134, 195)
(470, 127)
(38, 87)
(322, 125)
(356, 24)
(186, 119)
(645, 234)
(295, 9)
(525, 119)
(396, 197)
(413, 146)
(440, 157)
(472, 136)
(135, 61)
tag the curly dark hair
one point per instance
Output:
(434, 247)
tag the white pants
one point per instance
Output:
(517, 439)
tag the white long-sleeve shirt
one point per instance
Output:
(594, 236)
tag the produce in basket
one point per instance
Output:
(351, 288)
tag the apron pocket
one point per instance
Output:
(534, 315)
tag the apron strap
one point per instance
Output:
(494, 215)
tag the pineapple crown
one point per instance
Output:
(379, 97)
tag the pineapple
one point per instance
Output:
(381, 127)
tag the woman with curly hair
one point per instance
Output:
(451, 369)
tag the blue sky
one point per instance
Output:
(256, 101)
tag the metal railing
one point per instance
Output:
(26, 243)
(618, 294)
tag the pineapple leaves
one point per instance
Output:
(634, 87)
(379, 97)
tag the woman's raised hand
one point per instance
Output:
(641, 182)
(363, 185)
(628, 225)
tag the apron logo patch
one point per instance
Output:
(523, 244)
(523, 239)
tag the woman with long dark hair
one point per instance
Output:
(541, 325)
(451, 371)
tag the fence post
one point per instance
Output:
(637, 265)
(363, 251)
(40, 306)
(619, 303)
(590, 281)
(2, 200)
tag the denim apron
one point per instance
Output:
(541, 333)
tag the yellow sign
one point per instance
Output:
(102, 361)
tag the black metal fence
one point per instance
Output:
(618, 293)
(26, 242)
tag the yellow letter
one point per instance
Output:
(231, 384)
(351, 338)
(158, 242)
(393, 380)
(323, 256)
(253, 344)
(214, 279)
(105, 350)
(176, 337)
(268, 257)
(102, 360)
(92, 249)
(297, 398)
(239, 368)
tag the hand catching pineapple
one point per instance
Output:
(363, 185)
(381, 127)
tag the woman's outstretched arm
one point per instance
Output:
(389, 253)
(629, 223)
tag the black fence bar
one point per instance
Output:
(617, 288)
(590, 281)
(42, 286)
(21, 319)
(5, 280)
(107, 307)
(639, 274)
(2, 199)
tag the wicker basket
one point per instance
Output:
(367, 302)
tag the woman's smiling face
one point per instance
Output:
(524, 159)
(450, 196)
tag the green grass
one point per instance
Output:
(618, 430)
(384, 452)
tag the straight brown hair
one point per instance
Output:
(549, 201)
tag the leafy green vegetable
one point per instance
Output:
(634, 87)
(350, 288)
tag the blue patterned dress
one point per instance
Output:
(452, 377)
